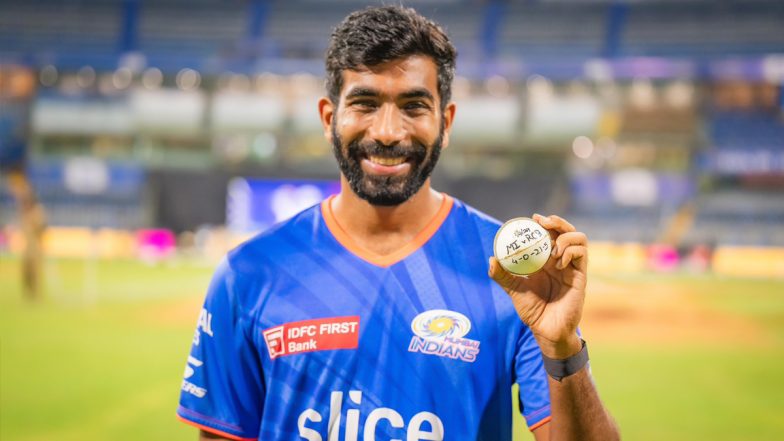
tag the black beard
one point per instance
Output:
(385, 190)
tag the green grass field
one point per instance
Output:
(676, 357)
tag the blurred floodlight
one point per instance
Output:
(582, 146)
(188, 79)
(497, 86)
(634, 187)
(642, 94)
(773, 68)
(679, 94)
(598, 70)
(48, 75)
(85, 77)
(152, 78)
(122, 78)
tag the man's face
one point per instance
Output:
(388, 130)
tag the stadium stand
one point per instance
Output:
(211, 33)
(747, 130)
(226, 39)
(704, 29)
(171, 39)
(738, 217)
(553, 30)
(116, 200)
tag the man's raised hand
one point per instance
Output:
(550, 302)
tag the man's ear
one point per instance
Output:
(449, 117)
(326, 113)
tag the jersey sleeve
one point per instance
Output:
(530, 376)
(223, 388)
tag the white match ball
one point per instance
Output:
(522, 246)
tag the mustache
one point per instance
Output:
(370, 148)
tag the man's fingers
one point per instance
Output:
(574, 254)
(568, 239)
(562, 225)
(553, 222)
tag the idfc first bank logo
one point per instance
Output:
(440, 332)
(312, 335)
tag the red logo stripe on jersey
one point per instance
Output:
(312, 335)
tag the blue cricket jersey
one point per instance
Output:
(304, 336)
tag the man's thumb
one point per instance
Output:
(498, 273)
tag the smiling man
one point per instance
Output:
(380, 313)
(386, 164)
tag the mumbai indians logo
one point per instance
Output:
(440, 332)
(438, 323)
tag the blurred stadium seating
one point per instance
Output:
(746, 130)
(649, 121)
(704, 29)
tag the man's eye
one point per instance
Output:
(366, 104)
(416, 106)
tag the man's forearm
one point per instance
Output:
(577, 411)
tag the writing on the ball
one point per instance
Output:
(524, 236)
(543, 248)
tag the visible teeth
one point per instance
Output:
(387, 161)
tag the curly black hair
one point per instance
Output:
(380, 34)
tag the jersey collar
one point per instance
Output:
(385, 260)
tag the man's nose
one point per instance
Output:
(388, 126)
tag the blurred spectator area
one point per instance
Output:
(69, 33)
(739, 217)
(640, 121)
(551, 30)
(175, 33)
(217, 34)
(84, 191)
(98, 33)
(747, 130)
(700, 29)
(298, 29)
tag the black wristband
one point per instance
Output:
(560, 369)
